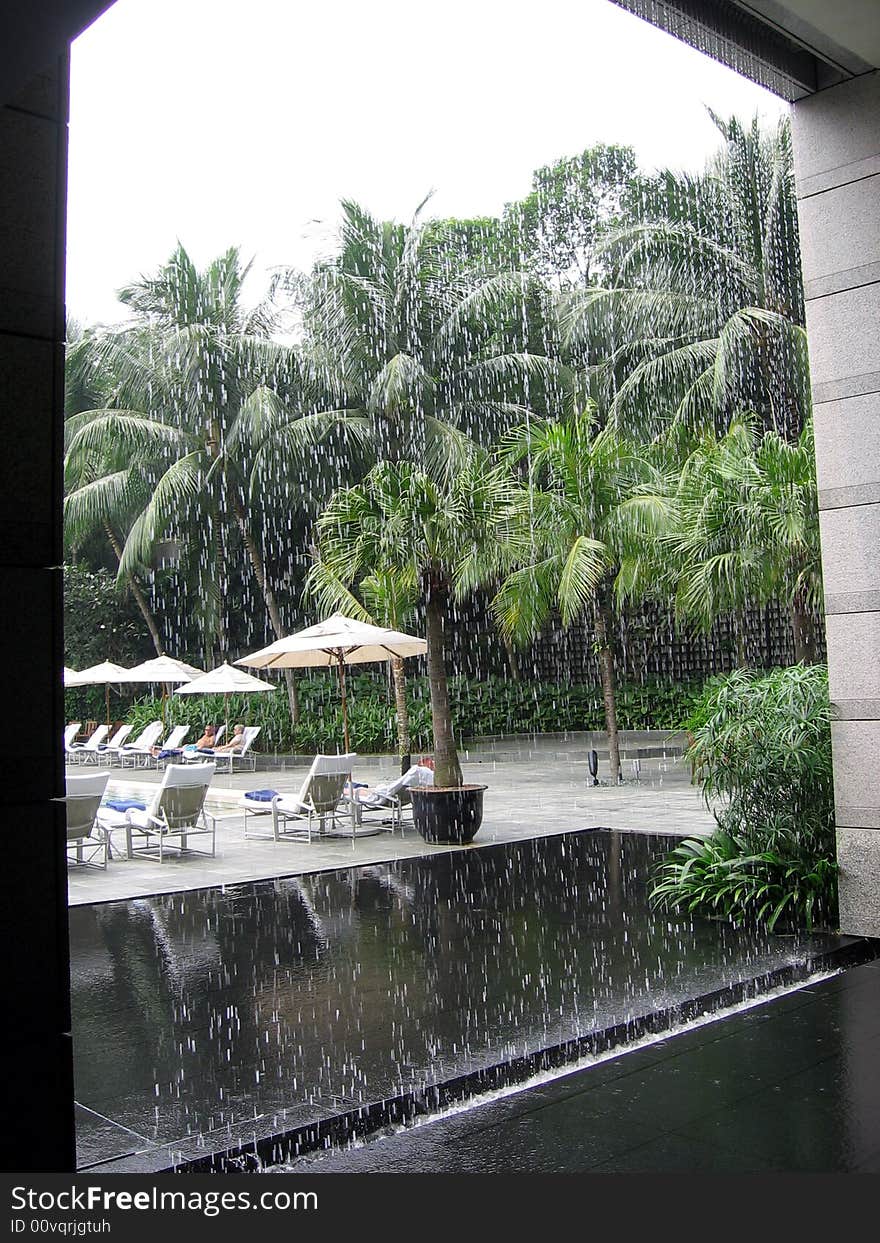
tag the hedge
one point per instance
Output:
(481, 708)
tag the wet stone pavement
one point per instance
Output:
(536, 787)
(209, 1019)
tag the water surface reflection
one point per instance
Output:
(199, 1010)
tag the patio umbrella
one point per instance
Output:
(164, 669)
(96, 675)
(226, 681)
(338, 641)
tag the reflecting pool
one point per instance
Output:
(203, 1017)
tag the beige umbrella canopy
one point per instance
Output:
(226, 681)
(164, 669)
(97, 675)
(338, 641)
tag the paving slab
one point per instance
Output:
(535, 788)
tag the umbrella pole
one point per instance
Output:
(226, 703)
(107, 702)
(344, 704)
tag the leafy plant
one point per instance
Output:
(762, 745)
(483, 708)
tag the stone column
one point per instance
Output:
(837, 166)
(36, 1129)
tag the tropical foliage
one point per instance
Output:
(705, 305)
(732, 525)
(193, 375)
(435, 539)
(432, 356)
(570, 520)
(100, 621)
(761, 750)
(598, 399)
(480, 707)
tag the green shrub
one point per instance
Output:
(762, 746)
(481, 708)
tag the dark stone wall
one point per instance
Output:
(36, 1129)
(648, 645)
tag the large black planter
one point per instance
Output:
(447, 815)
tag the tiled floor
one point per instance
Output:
(533, 790)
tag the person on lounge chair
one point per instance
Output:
(204, 744)
(236, 742)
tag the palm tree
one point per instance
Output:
(428, 350)
(446, 539)
(572, 526)
(742, 529)
(705, 309)
(197, 380)
(103, 495)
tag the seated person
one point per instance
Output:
(236, 742)
(163, 753)
(416, 775)
(205, 744)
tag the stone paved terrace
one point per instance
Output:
(535, 787)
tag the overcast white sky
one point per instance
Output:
(243, 122)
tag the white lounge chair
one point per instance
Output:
(112, 745)
(81, 752)
(138, 752)
(176, 811)
(86, 840)
(192, 756)
(171, 743)
(250, 733)
(70, 732)
(245, 755)
(320, 798)
(390, 796)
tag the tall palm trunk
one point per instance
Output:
(140, 599)
(213, 445)
(447, 769)
(604, 628)
(220, 560)
(259, 568)
(398, 673)
(510, 653)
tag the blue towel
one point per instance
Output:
(123, 804)
(261, 796)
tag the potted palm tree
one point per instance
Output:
(441, 537)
